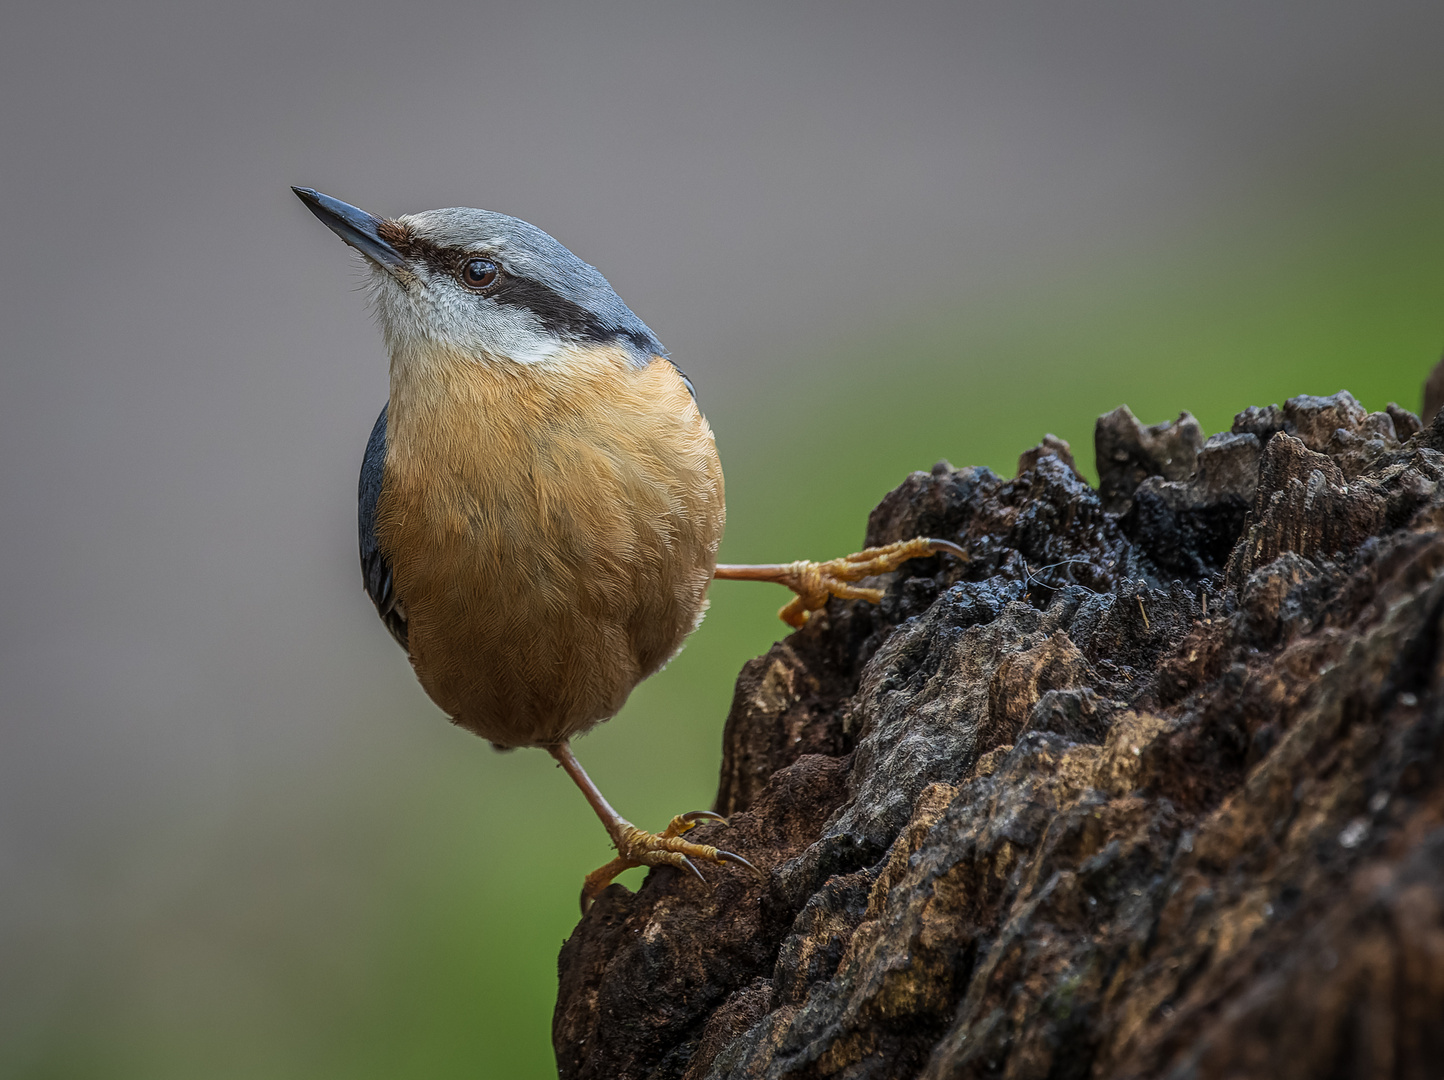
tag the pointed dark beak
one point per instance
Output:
(354, 225)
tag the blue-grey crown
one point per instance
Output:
(570, 297)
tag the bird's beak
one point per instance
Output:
(354, 225)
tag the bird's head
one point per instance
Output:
(484, 285)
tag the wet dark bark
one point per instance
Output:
(1152, 786)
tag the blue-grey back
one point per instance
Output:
(375, 567)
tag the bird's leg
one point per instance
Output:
(815, 582)
(638, 848)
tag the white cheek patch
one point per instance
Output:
(426, 313)
(539, 353)
(508, 333)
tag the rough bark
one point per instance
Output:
(1151, 786)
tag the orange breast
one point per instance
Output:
(552, 531)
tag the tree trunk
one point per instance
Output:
(1151, 786)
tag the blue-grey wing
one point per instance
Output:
(375, 567)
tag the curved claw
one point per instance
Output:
(728, 856)
(941, 546)
(685, 823)
(695, 816)
(690, 865)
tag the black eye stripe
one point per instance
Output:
(556, 313)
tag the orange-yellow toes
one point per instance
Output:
(638, 848)
(687, 822)
(814, 582)
(599, 879)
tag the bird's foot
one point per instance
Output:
(667, 848)
(815, 582)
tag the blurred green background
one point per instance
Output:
(426, 943)
(368, 892)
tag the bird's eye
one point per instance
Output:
(479, 274)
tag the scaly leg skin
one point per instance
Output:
(638, 848)
(815, 582)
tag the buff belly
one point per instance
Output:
(552, 534)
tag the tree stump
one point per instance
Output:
(1151, 786)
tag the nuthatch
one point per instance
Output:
(540, 499)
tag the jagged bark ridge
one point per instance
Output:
(1151, 787)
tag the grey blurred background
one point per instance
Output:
(235, 839)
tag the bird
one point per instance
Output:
(541, 501)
